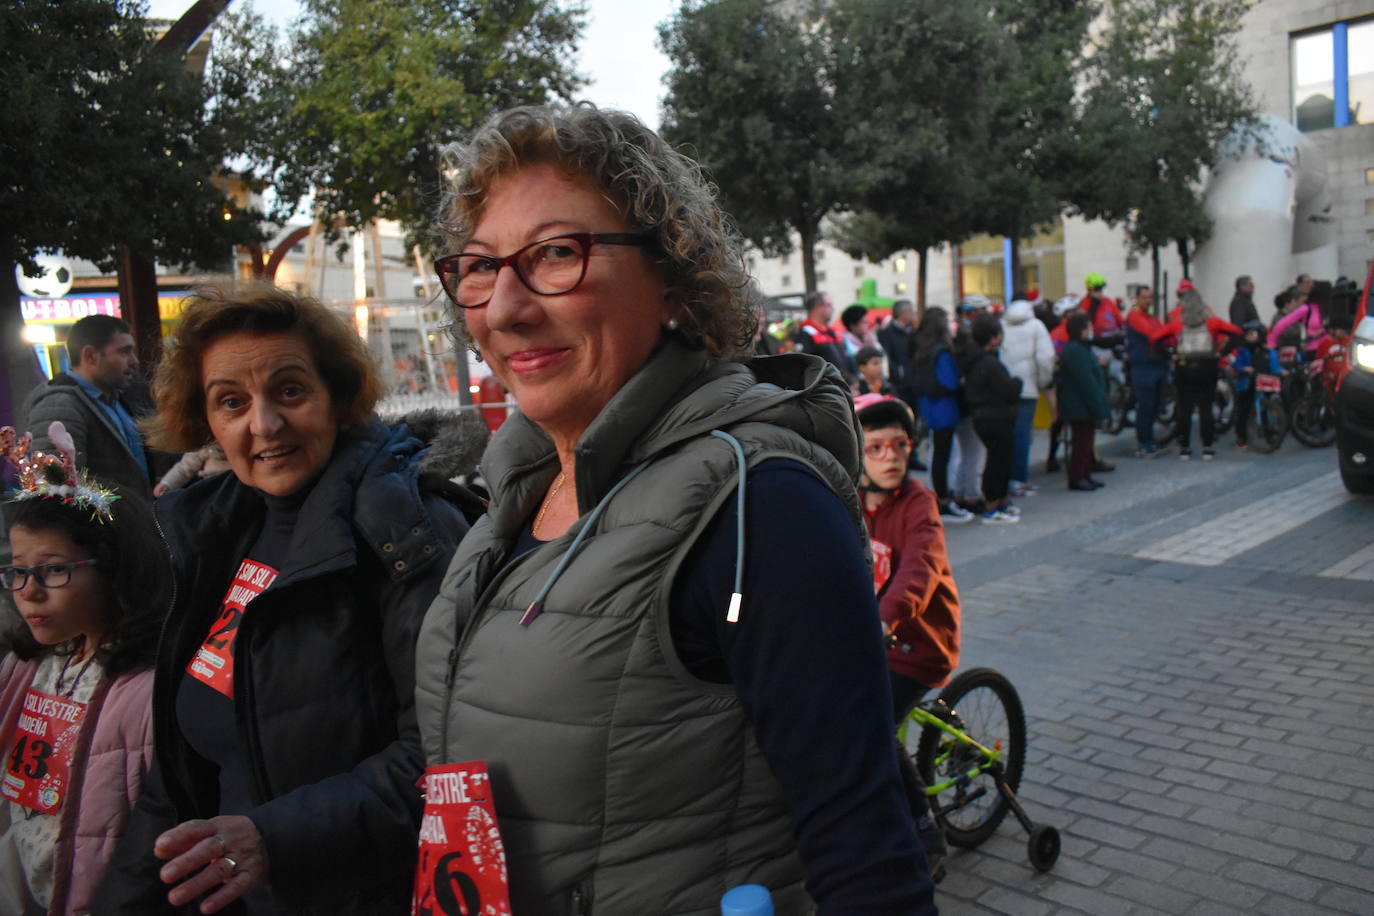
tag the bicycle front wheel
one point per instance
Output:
(988, 710)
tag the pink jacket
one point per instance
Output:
(1314, 330)
(108, 769)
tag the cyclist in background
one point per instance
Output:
(917, 597)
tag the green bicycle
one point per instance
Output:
(969, 747)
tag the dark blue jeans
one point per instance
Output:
(1148, 383)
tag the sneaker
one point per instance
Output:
(1021, 488)
(951, 513)
(1009, 509)
(1242, 444)
(1185, 454)
(1208, 454)
(1102, 467)
(998, 517)
(1147, 451)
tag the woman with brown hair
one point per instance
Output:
(287, 748)
(660, 719)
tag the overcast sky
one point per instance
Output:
(618, 52)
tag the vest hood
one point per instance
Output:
(680, 394)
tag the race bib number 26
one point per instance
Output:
(462, 863)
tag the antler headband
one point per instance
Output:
(44, 476)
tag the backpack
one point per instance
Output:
(1196, 343)
(925, 381)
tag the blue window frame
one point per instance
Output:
(1333, 76)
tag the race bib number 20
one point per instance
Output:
(462, 863)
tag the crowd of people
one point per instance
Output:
(975, 378)
(252, 684)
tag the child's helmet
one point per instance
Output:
(1065, 305)
(878, 410)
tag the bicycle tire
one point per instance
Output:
(990, 711)
(1223, 404)
(1268, 425)
(1313, 421)
(1166, 423)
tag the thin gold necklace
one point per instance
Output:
(548, 500)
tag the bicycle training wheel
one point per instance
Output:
(987, 709)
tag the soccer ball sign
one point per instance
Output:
(54, 282)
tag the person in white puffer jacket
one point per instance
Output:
(1028, 354)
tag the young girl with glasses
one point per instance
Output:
(86, 578)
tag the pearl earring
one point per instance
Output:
(672, 324)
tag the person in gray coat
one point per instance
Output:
(87, 400)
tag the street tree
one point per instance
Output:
(1165, 89)
(750, 98)
(355, 106)
(911, 75)
(1025, 169)
(102, 144)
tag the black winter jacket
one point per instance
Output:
(324, 678)
(991, 391)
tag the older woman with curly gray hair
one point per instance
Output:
(662, 637)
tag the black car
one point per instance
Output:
(1355, 404)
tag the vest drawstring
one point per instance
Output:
(537, 605)
(737, 598)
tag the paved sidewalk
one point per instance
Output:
(1201, 726)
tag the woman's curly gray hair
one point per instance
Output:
(658, 190)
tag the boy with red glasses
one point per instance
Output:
(917, 597)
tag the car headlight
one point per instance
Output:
(1364, 355)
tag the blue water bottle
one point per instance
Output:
(747, 900)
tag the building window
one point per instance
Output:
(1369, 207)
(1371, 236)
(858, 270)
(820, 276)
(1369, 176)
(1333, 76)
(820, 254)
(782, 259)
(786, 280)
(899, 265)
(899, 289)
(1132, 262)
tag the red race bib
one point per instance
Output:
(40, 760)
(462, 866)
(213, 663)
(882, 565)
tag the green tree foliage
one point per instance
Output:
(1165, 90)
(101, 144)
(1026, 168)
(357, 107)
(910, 72)
(750, 97)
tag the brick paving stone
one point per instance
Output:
(1279, 880)
(1347, 900)
(1132, 863)
(1151, 894)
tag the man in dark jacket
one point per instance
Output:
(88, 403)
(815, 335)
(895, 337)
(993, 395)
(1243, 309)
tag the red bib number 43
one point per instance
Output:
(39, 763)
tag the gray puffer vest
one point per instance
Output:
(623, 784)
